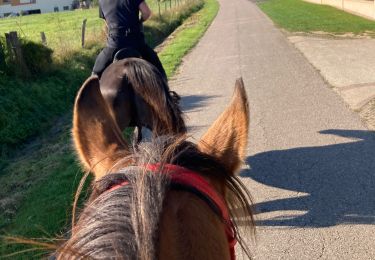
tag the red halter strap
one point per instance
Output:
(186, 177)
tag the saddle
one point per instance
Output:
(126, 53)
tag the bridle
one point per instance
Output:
(184, 179)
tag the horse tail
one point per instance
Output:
(149, 84)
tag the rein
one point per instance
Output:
(193, 182)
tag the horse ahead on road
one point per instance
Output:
(164, 199)
(139, 97)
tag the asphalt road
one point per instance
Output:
(311, 160)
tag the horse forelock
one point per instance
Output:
(124, 222)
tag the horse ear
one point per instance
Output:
(97, 138)
(226, 139)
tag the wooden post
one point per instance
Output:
(44, 39)
(9, 46)
(83, 32)
(2, 56)
(16, 52)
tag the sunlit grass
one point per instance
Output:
(63, 30)
(300, 16)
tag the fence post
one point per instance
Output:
(9, 46)
(83, 32)
(44, 39)
(159, 7)
(15, 49)
(2, 56)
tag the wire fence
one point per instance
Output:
(167, 5)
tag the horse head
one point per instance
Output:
(164, 199)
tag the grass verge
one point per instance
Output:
(37, 185)
(300, 16)
(171, 56)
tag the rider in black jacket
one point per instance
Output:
(124, 31)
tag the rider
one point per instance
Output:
(124, 31)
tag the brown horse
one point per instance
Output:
(139, 96)
(137, 209)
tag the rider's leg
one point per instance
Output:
(103, 60)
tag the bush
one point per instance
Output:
(38, 58)
(28, 107)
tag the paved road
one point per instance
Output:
(312, 167)
(346, 63)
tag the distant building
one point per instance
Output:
(17, 7)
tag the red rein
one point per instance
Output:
(185, 177)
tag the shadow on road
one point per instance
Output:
(339, 181)
(192, 102)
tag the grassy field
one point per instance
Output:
(299, 16)
(63, 30)
(38, 184)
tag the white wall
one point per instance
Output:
(45, 6)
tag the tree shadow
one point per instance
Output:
(339, 181)
(192, 102)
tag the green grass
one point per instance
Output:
(38, 184)
(28, 107)
(299, 16)
(171, 56)
(63, 30)
(38, 190)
